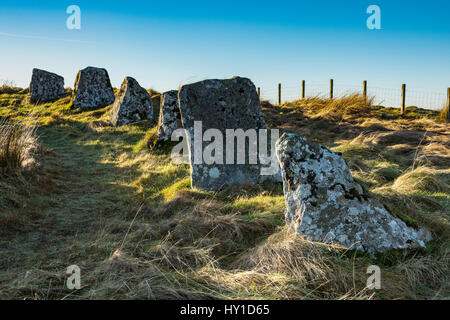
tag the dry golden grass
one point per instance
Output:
(345, 106)
(9, 87)
(420, 179)
(18, 145)
(128, 217)
(306, 261)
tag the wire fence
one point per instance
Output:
(387, 97)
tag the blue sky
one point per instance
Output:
(167, 43)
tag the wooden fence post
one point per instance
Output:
(403, 98)
(448, 104)
(331, 88)
(365, 89)
(303, 89)
(259, 93)
(279, 94)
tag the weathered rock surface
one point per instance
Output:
(221, 104)
(132, 104)
(169, 115)
(92, 89)
(45, 87)
(325, 203)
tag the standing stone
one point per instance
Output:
(325, 203)
(169, 116)
(133, 103)
(45, 87)
(221, 105)
(92, 89)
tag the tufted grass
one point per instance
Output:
(16, 140)
(128, 217)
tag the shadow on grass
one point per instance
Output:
(77, 185)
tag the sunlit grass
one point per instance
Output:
(129, 218)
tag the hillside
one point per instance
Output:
(99, 198)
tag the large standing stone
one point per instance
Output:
(221, 104)
(325, 203)
(92, 89)
(169, 116)
(133, 103)
(45, 87)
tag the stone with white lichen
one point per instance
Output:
(324, 202)
(132, 104)
(169, 115)
(92, 89)
(223, 105)
(45, 87)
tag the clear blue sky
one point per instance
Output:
(167, 43)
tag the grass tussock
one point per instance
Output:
(346, 106)
(9, 87)
(421, 179)
(291, 254)
(17, 145)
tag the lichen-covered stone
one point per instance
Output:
(45, 87)
(169, 116)
(92, 89)
(221, 104)
(324, 202)
(132, 104)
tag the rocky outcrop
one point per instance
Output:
(45, 87)
(92, 89)
(324, 202)
(132, 104)
(209, 109)
(169, 116)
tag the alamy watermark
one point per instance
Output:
(374, 280)
(74, 280)
(73, 22)
(374, 20)
(235, 144)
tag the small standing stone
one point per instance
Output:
(132, 104)
(45, 87)
(324, 202)
(92, 89)
(169, 116)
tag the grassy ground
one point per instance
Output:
(129, 219)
